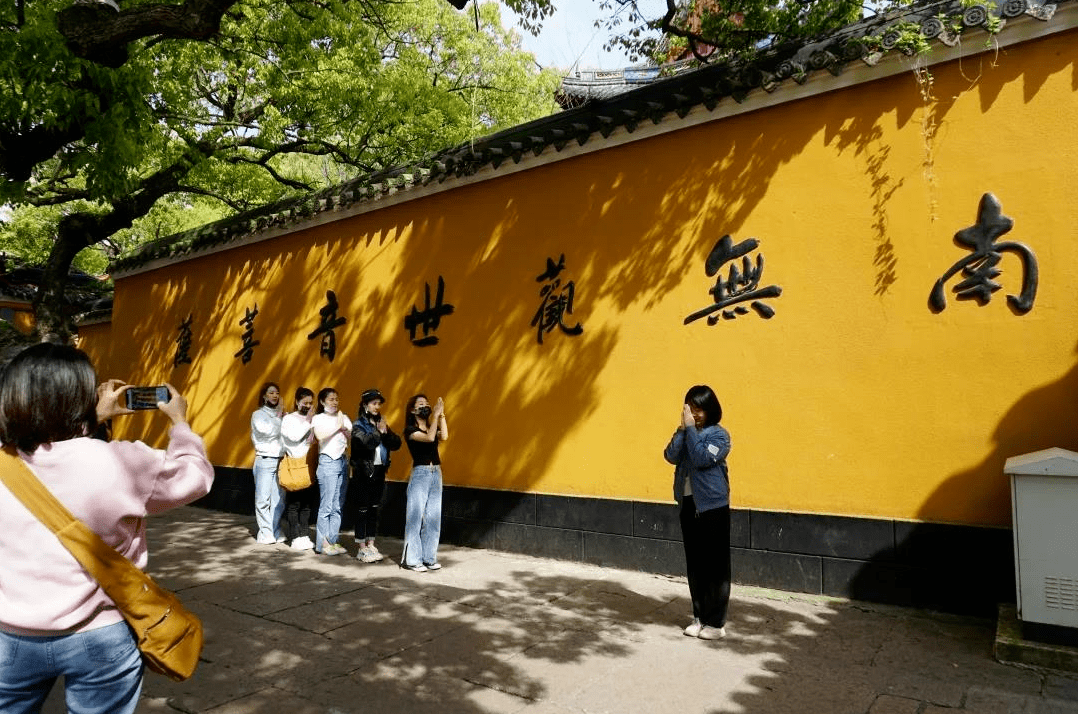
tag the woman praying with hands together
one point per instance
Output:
(424, 428)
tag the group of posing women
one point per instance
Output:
(369, 441)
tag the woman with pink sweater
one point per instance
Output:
(54, 618)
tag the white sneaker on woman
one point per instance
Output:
(693, 630)
(369, 554)
(302, 543)
(712, 633)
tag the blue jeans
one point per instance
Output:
(269, 498)
(332, 485)
(423, 515)
(102, 671)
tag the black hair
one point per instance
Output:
(703, 398)
(410, 418)
(368, 396)
(301, 392)
(322, 394)
(47, 393)
(262, 393)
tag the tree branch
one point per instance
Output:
(183, 188)
(291, 183)
(694, 39)
(23, 149)
(82, 229)
(99, 33)
(58, 198)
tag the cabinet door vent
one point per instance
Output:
(1061, 593)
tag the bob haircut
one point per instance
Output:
(410, 419)
(47, 393)
(262, 393)
(301, 392)
(703, 398)
(322, 394)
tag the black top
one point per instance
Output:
(424, 453)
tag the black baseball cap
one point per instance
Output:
(370, 395)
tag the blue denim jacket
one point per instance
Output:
(700, 455)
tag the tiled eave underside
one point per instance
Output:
(707, 94)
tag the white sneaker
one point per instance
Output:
(281, 539)
(693, 630)
(262, 540)
(302, 543)
(712, 633)
(370, 555)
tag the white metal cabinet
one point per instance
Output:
(1044, 509)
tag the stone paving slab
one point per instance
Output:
(493, 632)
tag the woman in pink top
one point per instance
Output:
(54, 618)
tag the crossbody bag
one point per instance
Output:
(169, 636)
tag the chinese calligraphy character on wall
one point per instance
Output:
(979, 269)
(249, 342)
(183, 343)
(557, 301)
(741, 286)
(328, 322)
(429, 318)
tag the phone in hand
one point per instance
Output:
(146, 397)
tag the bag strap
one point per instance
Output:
(97, 557)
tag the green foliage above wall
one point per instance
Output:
(103, 148)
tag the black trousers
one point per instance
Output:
(707, 560)
(298, 506)
(366, 494)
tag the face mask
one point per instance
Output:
(304, 410)
(423, 412)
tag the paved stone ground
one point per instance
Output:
(495, 632)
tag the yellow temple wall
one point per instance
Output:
(855, 398)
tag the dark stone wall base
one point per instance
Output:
(952, 568)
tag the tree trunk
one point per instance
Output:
(81, 230)
(51, 311)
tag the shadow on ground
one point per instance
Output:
(495, 632)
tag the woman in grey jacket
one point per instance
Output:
(698, 452)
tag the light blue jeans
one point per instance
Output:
(269, 498)
(332, 485)
(102, 671)
(423, 515)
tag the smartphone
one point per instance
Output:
(146, 397)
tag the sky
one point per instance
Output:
(570, 39)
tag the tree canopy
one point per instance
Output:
(139, 124)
